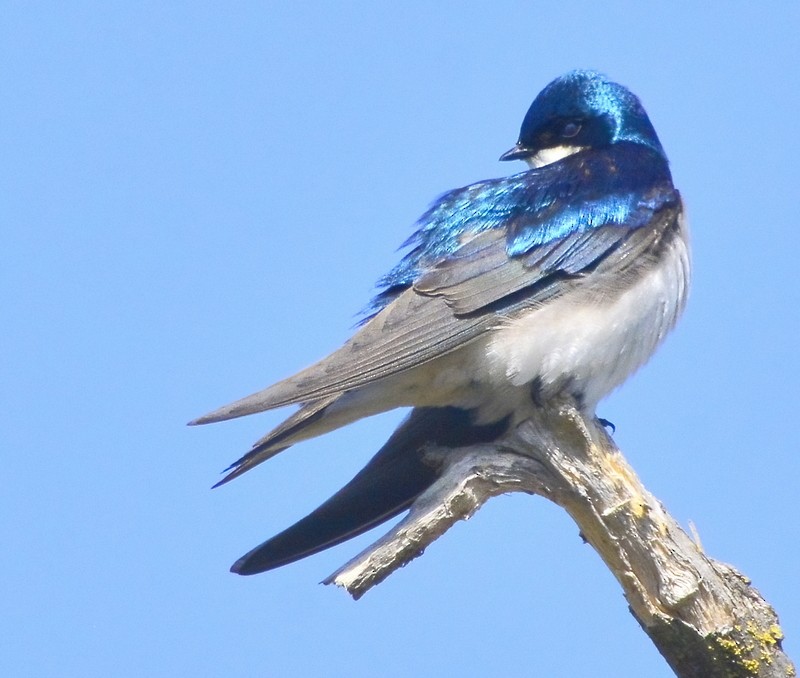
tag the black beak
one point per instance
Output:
(519, 152)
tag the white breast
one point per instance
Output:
(588, 346)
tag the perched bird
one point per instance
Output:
(559, 281)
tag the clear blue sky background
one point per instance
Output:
(196, 200)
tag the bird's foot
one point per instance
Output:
(607, 424)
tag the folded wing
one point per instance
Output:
(457, 301)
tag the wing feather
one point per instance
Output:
(458, 300)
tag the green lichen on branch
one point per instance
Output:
(746, 651)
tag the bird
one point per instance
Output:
(555, 282)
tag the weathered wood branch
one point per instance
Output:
(703, 615)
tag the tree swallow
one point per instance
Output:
(559, 281)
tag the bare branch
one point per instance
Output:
(703, 615)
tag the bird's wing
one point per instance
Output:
(385, 487)
(455, 302)
(410, 331)
(481, 273)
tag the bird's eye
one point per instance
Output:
(570, 130)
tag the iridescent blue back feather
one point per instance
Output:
(629, 182)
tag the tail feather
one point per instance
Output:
(280, 438)
(385, 487)
(313, 419)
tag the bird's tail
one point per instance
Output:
(313, 419)
(386, 486)
(300, 426)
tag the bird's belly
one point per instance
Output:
(589, 341)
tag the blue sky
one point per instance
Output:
(198, 198)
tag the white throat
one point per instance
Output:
(551, 155)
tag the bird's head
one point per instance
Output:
(578, 111)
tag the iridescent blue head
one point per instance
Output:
(580, 110)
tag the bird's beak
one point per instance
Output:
(519, 152)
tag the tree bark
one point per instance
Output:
(703, 616)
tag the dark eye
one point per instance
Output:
(570, 130)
